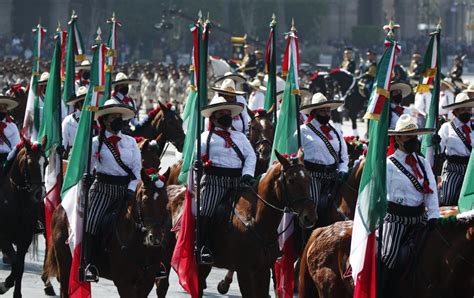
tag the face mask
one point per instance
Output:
(225, 121)
(323, 119)
(465, 117)
(86, 75)
(411, 145)
(397, 98)
(2, 116)
(124, 90)
(116, 125)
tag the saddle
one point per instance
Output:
(410, 249)
(108, 222)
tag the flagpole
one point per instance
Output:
(60, 149)
(273, 70)
(297, 92)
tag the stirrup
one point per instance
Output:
(91, 274)
(162, 272)
(205, 256)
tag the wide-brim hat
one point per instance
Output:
(84, 65)
(43, 80)
(111, 106)
(219, 103)
(256, 85)
(319, 101)
(404, 88)
(9, 101)
(304, 93)
(123, 79)
(468, 89)
(80, 95)
(407, 126)
(237, 78)
(448, 84)
(227, 87)
(462, 100)
(460, 84)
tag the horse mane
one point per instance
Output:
(466, 217)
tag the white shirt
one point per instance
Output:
(69, 128)
(226, 157)
(129, 153)
(401, 191)
(446, 97)
(12, 134)
(422, 103)
(240, 122)
(394, 116)
(315, 150)
(256, 100)
(450, 140)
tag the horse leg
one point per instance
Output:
(48, 287)
(262, 282)
(246, 284)
(19, 268)
(162, 285)
(223, 285)
(204, 271)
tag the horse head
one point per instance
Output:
(168, 122)
(27, 170)
(150, 151)
(151, 208)
(261, 133)
(292, 188)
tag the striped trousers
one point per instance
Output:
(213, 190)
(101, 198)
(322, 184)
(452, 177)
(394, 232)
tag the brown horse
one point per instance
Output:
(150, 151)
(261, 133)
(21, 193)
(245, 237)
(444, 265)
(131, 248)
(162, 120)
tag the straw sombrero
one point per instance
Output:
(237, 78)
(80, 95)
(43, 80)
(407, 126)
(468, 89)
(462, 100)
(84, 65)
(319, 101)
(227, 87)
(123, 79)
(9, 101)
(403, 87)
(256, 84)
(219, 103)
(111, 106)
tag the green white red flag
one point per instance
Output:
(111, 56)
(372, 200)
(466, 197)
(32, 120)
(74, 53)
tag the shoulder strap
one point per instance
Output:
(340, 142)
(331, 149)
(6, 140)
(461, 136)
(119, 160)
(232, 144)
(409, 175)
(74, 116)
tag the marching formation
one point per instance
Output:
(266, 180)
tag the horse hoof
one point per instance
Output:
(223, 287)
(3, 288)
(49, 291)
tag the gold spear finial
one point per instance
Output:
(273, 22)
(438, 26)
(58, 29)
(99, 35)
(113, 17)
(390, 27)
(293, 28)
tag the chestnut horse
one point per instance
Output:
(162, 120)
(444, 265)
(261, 133)
(131, 249)
(21, 193)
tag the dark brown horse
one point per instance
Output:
(162, 120)
(21, 194)
(150, 151)
(444, 266)
(261, 134)
(131, 249)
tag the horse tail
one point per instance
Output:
(306, 286)
(50, 268)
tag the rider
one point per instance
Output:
(249, 62)
(398, 91)
(116, 163)
(70, 123)
(446, 97)
(9, 134)
(257, 97)
(411, 187)
(456, 71)
(457, 138)
(120, 94)
(83, 74)
(348, 62)
(228, 159)
(326, 156)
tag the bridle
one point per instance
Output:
(161, 129)
(26, 186)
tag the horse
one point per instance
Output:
(162, 120)
(151, 152)
(131, 245)
(22, 191)
(261, 133)
(443, 266)
(217, 68)
(245, 239)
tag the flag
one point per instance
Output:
(183, 260)
(284, 272)
(466, 197)
(190, 111)
(431, 74)
(111, 56)
(372, 200)
(285, 139)
(270, 55)
(32, 120)
(73, 191)
(203, 57)
(74, 52)
(51, 130)
(62, 35)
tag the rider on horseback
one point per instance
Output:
(120, 93)
(116, 163)
(9, 135)
(411, 187)
(325, 150)
(229, 160)
(71, 122)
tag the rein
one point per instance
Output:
(458, 255)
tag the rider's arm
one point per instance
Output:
(431, 199)
(136, 164)
(344, 164)
(249, 154)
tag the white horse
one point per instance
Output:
(217, 68)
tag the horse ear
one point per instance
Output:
(301, 155)
(26, 143)
(270, 111)
(285, 163)
(251, 113)
(163, 107)
(145, 178)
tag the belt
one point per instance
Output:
(320, 168)
(227, 172)
(409, 211)
(109, 179)
(456, 159)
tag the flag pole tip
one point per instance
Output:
(273, 22)
(439, 25)
(58, 29)
(99, 37)
(293, 28)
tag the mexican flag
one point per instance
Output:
(51, 130)
(372, 201)
(73, 190)
(466, 197)
(111, 56)
(31, 122)
(270, 67)
(431, 75)
(74, 52)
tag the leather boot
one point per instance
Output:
(91, 274)
(205, 254)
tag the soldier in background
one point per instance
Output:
(249, 62)
(348, 62)
(260, 61)
(163, 86)
(148, 91)
(456, 70)
(414, 71)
